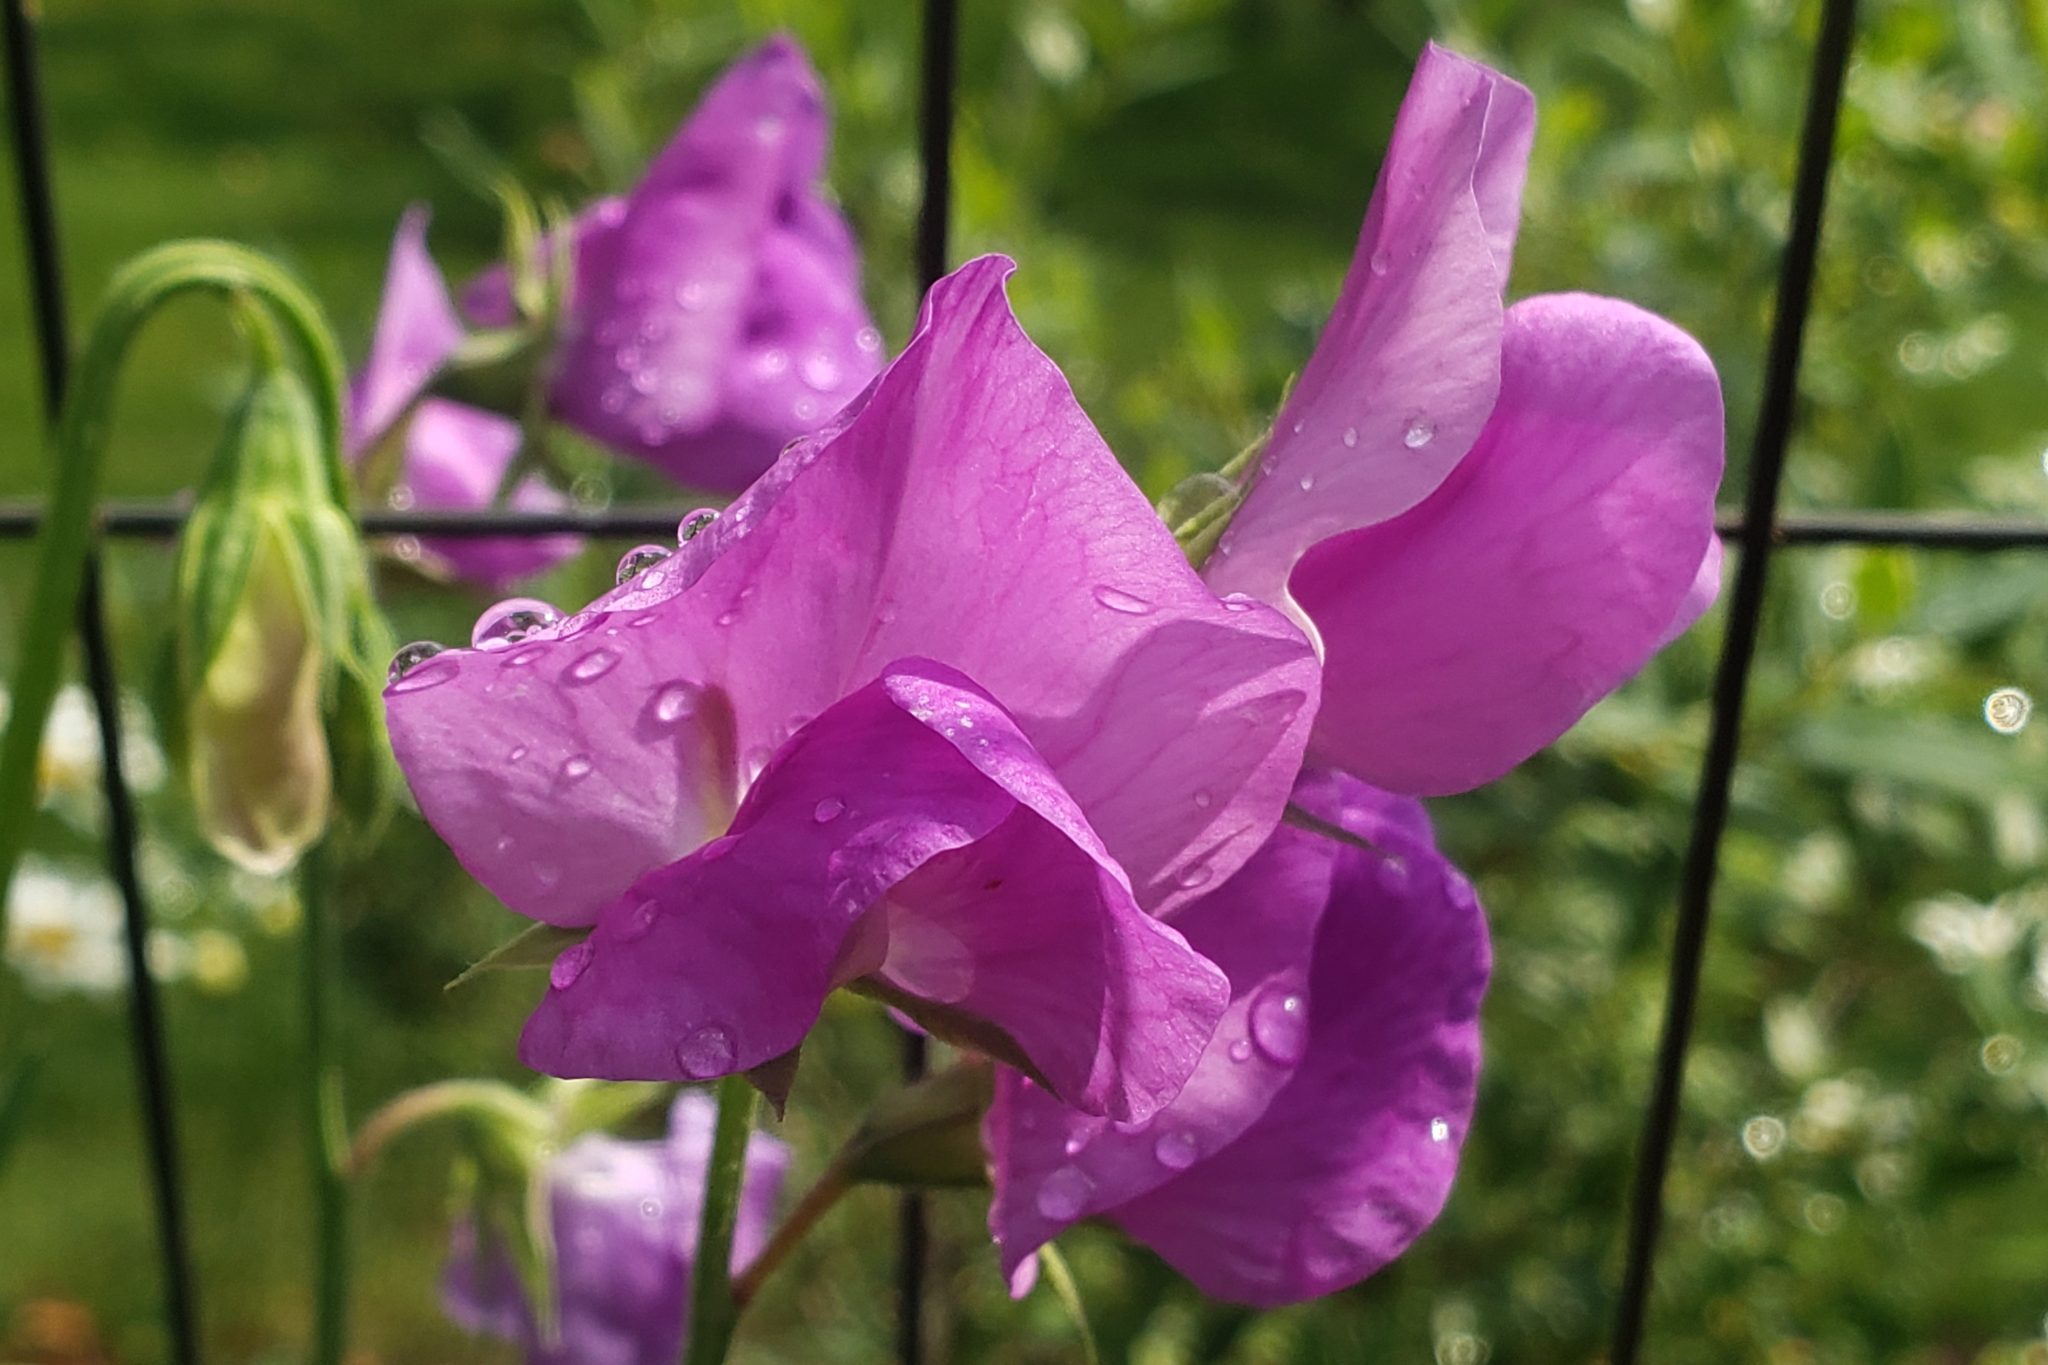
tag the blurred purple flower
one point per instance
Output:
(624, 1217)
(715, 311)
(938, 701)
(1319, 1134)
(1490, 517)
(455, 456)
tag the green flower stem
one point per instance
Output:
(139, 288)
(713, 1310)
(325, 1117)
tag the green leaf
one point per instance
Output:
(535, 947)
(1061, 1277)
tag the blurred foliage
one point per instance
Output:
(1863, 1160)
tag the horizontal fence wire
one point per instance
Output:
(1775, 415)
(161, 519)
(28, 130)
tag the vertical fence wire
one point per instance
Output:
(1738, 651)
(940, 83)
(29, 132)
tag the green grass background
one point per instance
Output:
(1181, 181)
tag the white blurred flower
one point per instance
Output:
(68, 768)
(64, 931)
(1963, 934)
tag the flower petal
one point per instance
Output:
(416, 329)
(1408, 365)
(562, 768)
(455, 457)
(909, 831)
(666, 299)
(1471, 631)
(967, 511)
(1320, 1132)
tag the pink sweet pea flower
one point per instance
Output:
(1319, 1133)
(1490, 517)
(715, 311)
(624, 1216)
(455, 455)
(938, 701)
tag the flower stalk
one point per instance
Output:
(714, 1310)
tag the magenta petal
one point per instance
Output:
(561, 769)
(416, 329)
(1320, 1132)
(625, 1221)
(1408, 366)
(724, 276)
(910, 830)
(967, 511)
(1470, 632)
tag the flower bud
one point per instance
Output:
(274, 631)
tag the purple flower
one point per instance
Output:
(938, 702)
(1319, 1133)
(715, 311)
(455, 456)
(1490, 517)
(624, 1218)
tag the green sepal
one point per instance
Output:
(926, 1135)
(495, 370)
(949, 1025)
(537, 946)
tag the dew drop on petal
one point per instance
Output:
(674, 702)
(1379, 262)
(1194, 875)
(1279, 1020)
(707, 1052)
(576, 767)
(518, 753)
(506, 623)
(2007, 710)
(1074, 1144)
(1439, 1131)
(1203, 800)
(592, 666)
(1238, 601)
(1420, 432)
(1241, 1050)
(1116, 599)
(637, 921)
(569, 965)
(650, 1209)
(868, 339)
(1176, 1150)
(637, 561)
(409, 658)
(1064, 1194)
(522, 658)
(820, 369)
(828, 810)
(1351, 438)
(1307, 482)
(694, 523)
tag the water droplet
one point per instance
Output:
(645, 382)
(1194, 875)
(828, 810)
(1420, 432)
(690, 295)
(1763, 1135)
(820, 369)
(1439, 1131)
(1238, 601)
(708, 1052)
(650, 1209)
(639, 920)
(768, 129)
(1279, 1020)
(613, 399)
(409, 658)
(1177, 1150)
(2007, 710)
(509, 622)
(1064, 1194)
(545, 875)
(400, 497)
(1203, 800)
(868, 339)
(646, 618)
(674, 702)
(1307, 482)
(1378, 262)
(592, 666)
(518, 753)
(2001, 1053)
(1351, 438)
(1074, 1144)
(576, 767)
(693, 523)
(569, 965)
(1241, 1050)
(773, 362)
(502, 845)
(1116, 599)
(637, 561)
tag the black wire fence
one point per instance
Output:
(1756, 530)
